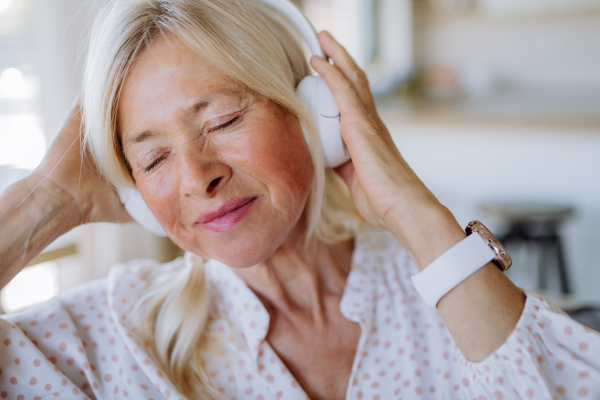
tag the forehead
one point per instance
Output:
(167, 78)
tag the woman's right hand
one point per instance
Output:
(64, 191)
(73, 169)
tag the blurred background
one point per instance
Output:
(494, 103)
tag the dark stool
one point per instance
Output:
(535, 226)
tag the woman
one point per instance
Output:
(284, 292)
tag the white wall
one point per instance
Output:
(376, 33)
(57, 29)
(555, 52)
(465, 167)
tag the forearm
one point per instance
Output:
(480, 312)
(31, 220)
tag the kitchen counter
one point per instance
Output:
(532, 111)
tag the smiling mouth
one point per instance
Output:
(228, 215)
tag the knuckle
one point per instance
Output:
(360, 76)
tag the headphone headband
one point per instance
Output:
(307, 30)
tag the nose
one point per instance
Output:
(202, 176)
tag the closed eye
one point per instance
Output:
(155, 163)
(225, 125)
(217, 128)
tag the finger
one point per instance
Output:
(348, 67)
(346, 171)
(352, 109)
(338, 53)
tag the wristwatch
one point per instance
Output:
(502, 260)
(460, 262)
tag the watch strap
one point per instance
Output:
(451, 268)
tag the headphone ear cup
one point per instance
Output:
(139, 211)
(318, 98)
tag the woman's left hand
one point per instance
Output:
(385, 190)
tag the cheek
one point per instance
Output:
(278, 159)
(161, 194)
(164, 200)
(292, 177)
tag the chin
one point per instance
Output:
(245, 252)
(241, 249)
(245, 259)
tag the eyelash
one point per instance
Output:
(154, 164)
(218, 128)
(225, 125)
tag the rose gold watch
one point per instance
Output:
(502, 259)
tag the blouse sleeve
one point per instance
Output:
(42, 355)
(547, 356)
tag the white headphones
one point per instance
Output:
(316, 95)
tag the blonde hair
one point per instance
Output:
(251, 43)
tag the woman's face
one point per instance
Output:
(226, 172)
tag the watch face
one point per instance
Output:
(502, 259)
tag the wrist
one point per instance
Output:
(426, 231)
(53, 198)
(33, 213)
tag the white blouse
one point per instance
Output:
(77, 346)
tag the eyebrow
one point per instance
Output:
(190, 112)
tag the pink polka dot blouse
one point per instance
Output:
(78, 346)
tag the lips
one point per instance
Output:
(228, 215)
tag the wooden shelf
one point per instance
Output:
(501, 112)
(52, 255)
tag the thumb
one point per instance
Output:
(346, 171)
